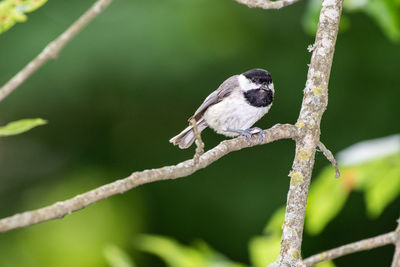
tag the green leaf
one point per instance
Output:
(264, 250)
(326, 264)
(20, 126)
(214, 258)
(173, 253)
(177, 255)
(13, 11)
(351, 5)
(374, 169)
(326, 198)
(384, 187)
(276, 221)
(386, 15)
(116, 257)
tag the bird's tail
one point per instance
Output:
(186, 138)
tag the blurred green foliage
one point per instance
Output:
(379, 180)
(13, 11)
(129, 81)
(265, 249)
(20, 126)
(177, 255)
(78, 240)
(386, 13)
(117, 257)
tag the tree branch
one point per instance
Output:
(266, 4)
(396, 257)
(366, 244)
(314, 104)
(60, 209)
(198, 141)
(52, 49)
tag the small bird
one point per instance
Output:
(233, 108)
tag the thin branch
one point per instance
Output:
(52, 50)
(198, 141)
(314, 104)
(396, 257)
(366, 244)
(266, 4)
(328, 154)
(60, 209)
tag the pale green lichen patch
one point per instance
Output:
(304, 155)
(317, 91)
(297, 178)
(322, 256)
(295, 254)
(300, 124)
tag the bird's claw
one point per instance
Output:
(249, 133)
(260, 133)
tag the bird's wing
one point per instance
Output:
(224, 90)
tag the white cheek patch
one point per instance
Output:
(271, 86)
(245, 84)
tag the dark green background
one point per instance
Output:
(126, 84)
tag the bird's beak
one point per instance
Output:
(265, 87)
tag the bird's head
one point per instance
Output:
(256, 79)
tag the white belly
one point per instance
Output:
(233, 113)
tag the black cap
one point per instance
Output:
(258, 76)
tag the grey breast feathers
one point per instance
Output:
(224, 90)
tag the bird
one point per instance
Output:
(232, 109)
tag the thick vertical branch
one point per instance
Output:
(314, 104)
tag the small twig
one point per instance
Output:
(63, 208)
(266, 4)
(366, 244)
(199, 143)
(328, 154)
(53, 48)
(396, 257)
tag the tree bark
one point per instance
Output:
(314, 104)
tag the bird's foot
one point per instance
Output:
(256, 130)
(249, 133)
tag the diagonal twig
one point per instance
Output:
(52, 49)
(366, 244)
(328, 154)
(63, 208)
(266, 4)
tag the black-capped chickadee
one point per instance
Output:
(233, 108)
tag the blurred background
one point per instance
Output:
(128, 82)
